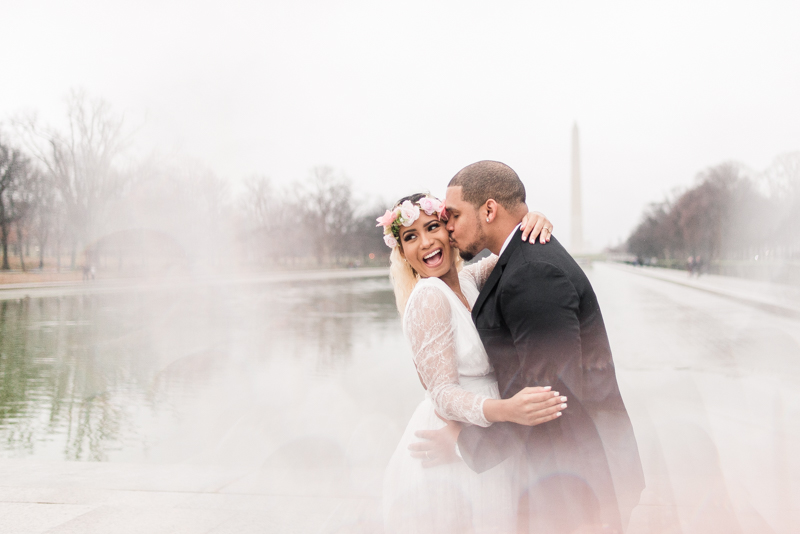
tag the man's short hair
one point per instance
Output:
(490, 179)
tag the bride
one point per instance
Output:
(434, 295)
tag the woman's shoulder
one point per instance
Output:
(429, 293)
(428, 288)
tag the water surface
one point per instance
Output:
(218, 372)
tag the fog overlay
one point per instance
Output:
(197, 329)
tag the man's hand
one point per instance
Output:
(438, 446)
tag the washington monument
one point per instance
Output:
(576, 244)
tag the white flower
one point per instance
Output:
(409, 212)
(390, 241)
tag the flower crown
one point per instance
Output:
(405, 214)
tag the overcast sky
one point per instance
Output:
(399, 96)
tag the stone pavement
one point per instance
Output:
(80, 498)
(711, 379)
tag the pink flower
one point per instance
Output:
(390, 241)
(386, 219)
(429, 205)
(443, 215)
(409, 212)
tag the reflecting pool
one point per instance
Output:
(222, 372)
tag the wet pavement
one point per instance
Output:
(712, 387)
(294, 437)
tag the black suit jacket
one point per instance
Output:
(540, 322)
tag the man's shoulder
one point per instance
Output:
(550, 257)
(534, 263)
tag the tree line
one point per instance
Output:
(74, 197)
(729, 214)
(315, 220)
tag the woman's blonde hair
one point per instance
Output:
(403, 277)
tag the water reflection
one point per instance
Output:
(159, 374)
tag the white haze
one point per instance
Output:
(399, 96)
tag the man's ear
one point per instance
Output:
(491, 210)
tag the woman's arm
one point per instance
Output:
(480, 270)
(430, 331)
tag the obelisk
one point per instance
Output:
(576, 245)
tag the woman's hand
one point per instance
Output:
(536, 224)
(530, 407)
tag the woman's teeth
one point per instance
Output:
(435, 255)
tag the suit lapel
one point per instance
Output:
(487, 288)
(496, 274)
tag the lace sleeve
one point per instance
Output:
(430, 330)
(480, 270)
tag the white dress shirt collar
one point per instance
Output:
(508, 239)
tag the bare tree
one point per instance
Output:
(14, 169)
(327, 210)
(22, 202)
(43, 214)
(365, 240)
(258, 202)
(81, 162)
(654, 236)
(727, 215)
(783, 177)
(316, 219)
(264, 213)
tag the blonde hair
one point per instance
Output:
(404, 278)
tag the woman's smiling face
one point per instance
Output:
(426, 246)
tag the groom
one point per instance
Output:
(540, 322)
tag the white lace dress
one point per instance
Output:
(453, 364)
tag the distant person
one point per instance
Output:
(88, 271)
(540, 323)
(434, 296)
(690, 265)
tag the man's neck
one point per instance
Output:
(500, 234)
